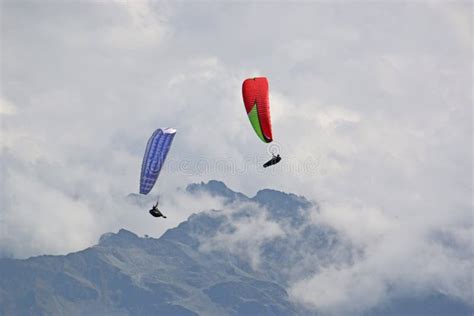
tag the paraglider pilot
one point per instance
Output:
(156, 212)
(275, 159)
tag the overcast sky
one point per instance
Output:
(371, 107)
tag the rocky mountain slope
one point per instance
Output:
(236, 261)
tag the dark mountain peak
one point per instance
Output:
(281, 205)
(212, 185)
(122, 238)
(217, 184)
(197, 226)
(126, 234)
(284, 206)
(269, 195)
(215, 188)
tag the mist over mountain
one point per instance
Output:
(239, 260)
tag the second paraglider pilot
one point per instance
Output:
(156, 212)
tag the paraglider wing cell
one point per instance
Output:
(155, 154)
(257, 105)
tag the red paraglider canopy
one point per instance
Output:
(257, 105)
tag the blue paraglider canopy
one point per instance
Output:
(155, 154)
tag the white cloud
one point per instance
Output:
(6, 107)
(244, 235)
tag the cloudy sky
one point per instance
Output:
(371, 108)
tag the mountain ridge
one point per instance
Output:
(124, 273)
(238, 261)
